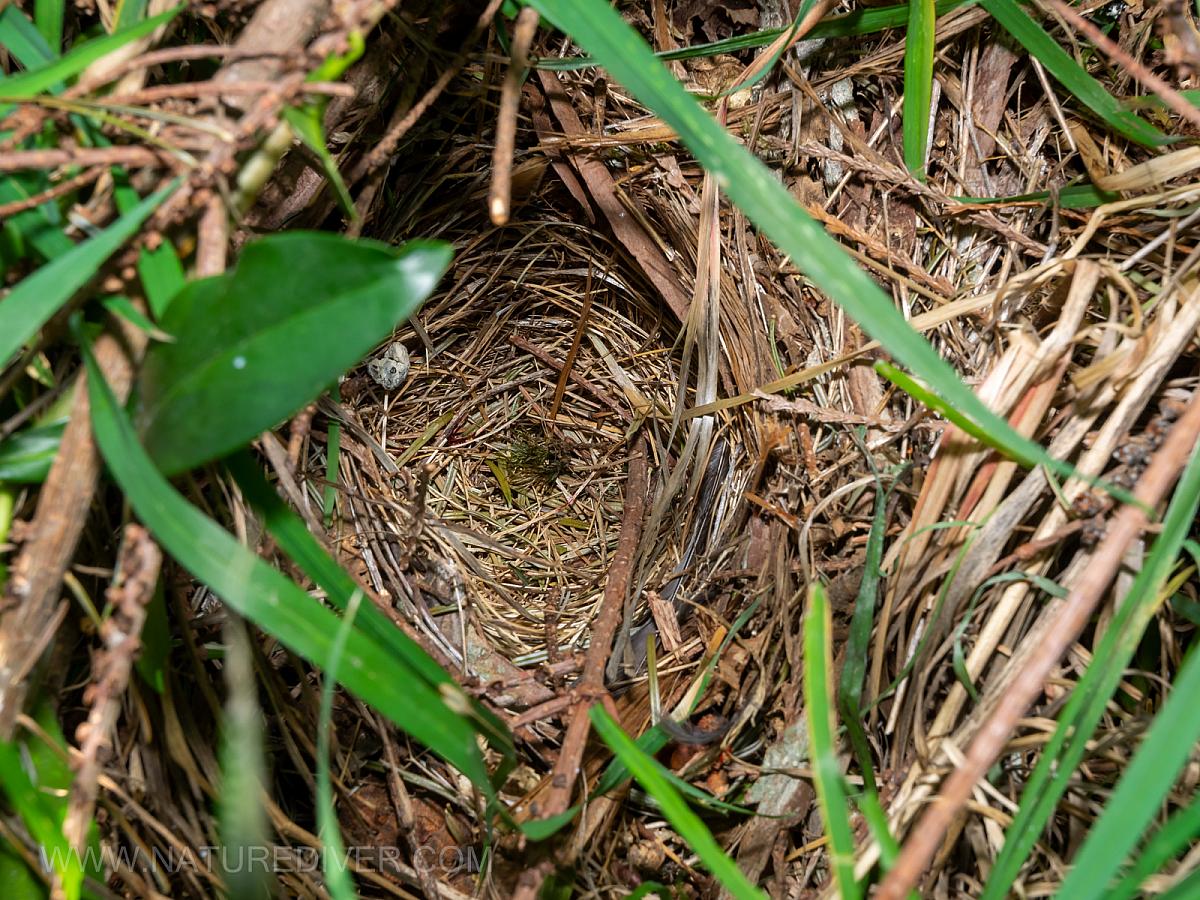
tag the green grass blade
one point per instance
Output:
(130, 12)
(858, 645)
(674, 808)
(264, 596)
(334, 861)
(1071, 75)
(38, 297)
(1075, 196)
(1061, 755)
(1173, 839)
(857, 22)
(822, 736)
(244, 827)
(1142, 789)
(34, 81)
(294, 539)
(758, 193)
(918, 83)
(21, 38)
(48, 16)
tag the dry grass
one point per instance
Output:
(482, 499)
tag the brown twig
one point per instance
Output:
(1074, 614)
(569, 366)
(65, 187)
(129, 595)
(500, 195)
(403, 121)
(595, 390)
(1171, 97)
(134, 157)
(31, 596)
(604, 629)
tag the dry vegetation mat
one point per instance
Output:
(685, 449)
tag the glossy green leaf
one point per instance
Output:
(686, 823)
(263, 595)
(25, 457)
(32, 302)
(1071, 75)
(1169, 842)
(918, 83)
(822, 735)
(257, 343)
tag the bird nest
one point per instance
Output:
(484, 494)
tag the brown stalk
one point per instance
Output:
(1076, 611)
(1171, 97)
(112, 664)
(604, 629)
(500, 195)
(32, 594)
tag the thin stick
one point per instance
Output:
(500, 195)
(401, 123)
(1168, 94)
(1074, 615)
(580, 327)
(65, 187)
(604, 629)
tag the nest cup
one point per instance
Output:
(522, 501)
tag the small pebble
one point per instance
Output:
(390, 368)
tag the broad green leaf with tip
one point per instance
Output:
(257, 343)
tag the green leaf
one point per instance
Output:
(918, 83)
(261, 594)
(21, 38)
(257, 343)
(859, 21)
(1144, 786)
(129, 12)
(686, 823)
(39, 296)
(1088, 702)
(334, 861)
(35, 779)
(307, 122)
(758, 193)
(1169, 842)
(39, 229)
(160, 270)
(25, 457)
(1071, 75)
(819, 712)
(48, 15)
(44, 77)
